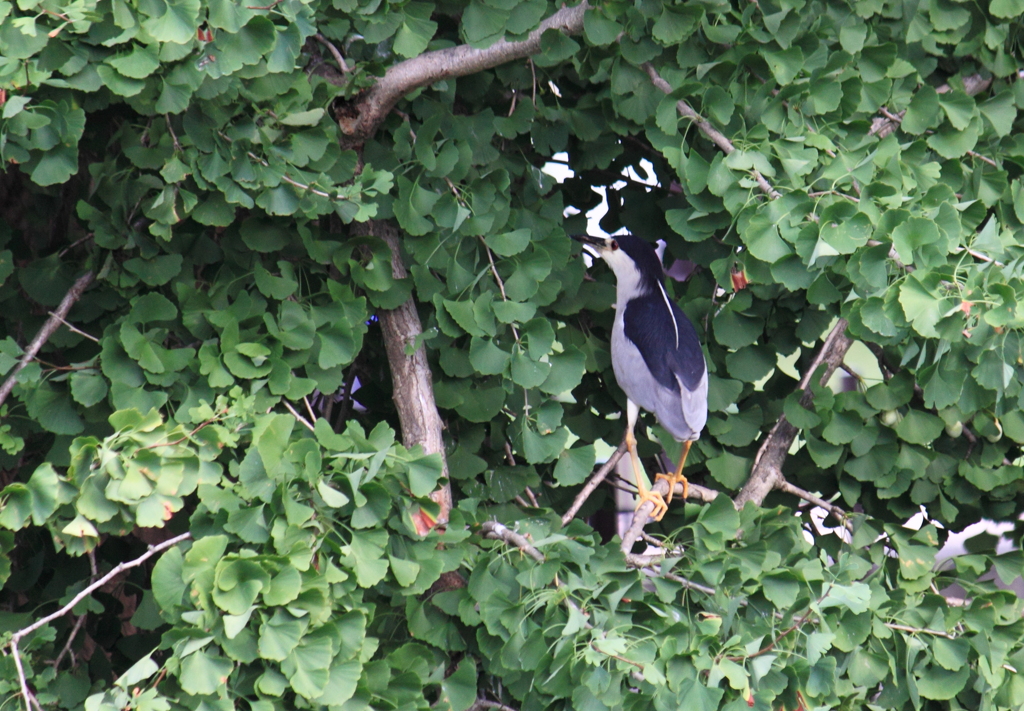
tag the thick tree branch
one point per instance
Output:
(413, 386)
(767, 470)
(360, 120)
(49, 328)
(713, 134)
(640, 516)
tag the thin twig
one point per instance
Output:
(688, 584)
(918, 630)
(817, 501)
(73, 329)
(309, 409)
(297, 416)
(532, 497)
(47, 330)
(334, 51)
(984, 159)
(594, 482)
(820, 193)
(181, 439)
(706, 128)
(88, 590)
(74, 244)
(174, 136)
(114, 572)
(67, 645)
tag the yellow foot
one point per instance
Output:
(672, 480)
(660, 507)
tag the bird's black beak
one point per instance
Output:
(592, 245)
(596, 242)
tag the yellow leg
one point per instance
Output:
(678, 477)
(643, 493)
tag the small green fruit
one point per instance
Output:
(955, 430)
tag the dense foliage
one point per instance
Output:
(225, 375)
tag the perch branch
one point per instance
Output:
(766, 473)
(47, 330)
(410, 372)
(360, 120)
(88, 590)
(706, 128)
(640, 516)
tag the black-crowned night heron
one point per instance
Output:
(656, 355)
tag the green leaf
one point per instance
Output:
(279, 635)
(940, 684)
(203, 673)
(1008, 9)
(53, 410)
(174, 22)
(526, 372)
(88, 388)
(951, 142)
(763, 240)
(575, 465)
(424, 473)
(730, 470)
(923, 111)
(919, 427)
(599, 30)
(913, 234)
(303, 118)
(56, 166)
(509, 243)
(483, 25)
(959, 108)
(459, 688)
(416, 31)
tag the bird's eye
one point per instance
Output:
(614, 245)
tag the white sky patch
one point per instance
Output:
(561, 172)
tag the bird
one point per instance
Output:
(656, 355)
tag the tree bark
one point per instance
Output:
(410, 374)
(767, 471)
(359, 120)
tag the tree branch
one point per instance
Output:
(88, 590)
(48, 329)
(595, 481)
(885, 124)
(360, 119)
(500, 532)
(640, 516)
(706, 128)
(413, 387)
(817, 501)
(766, 473)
